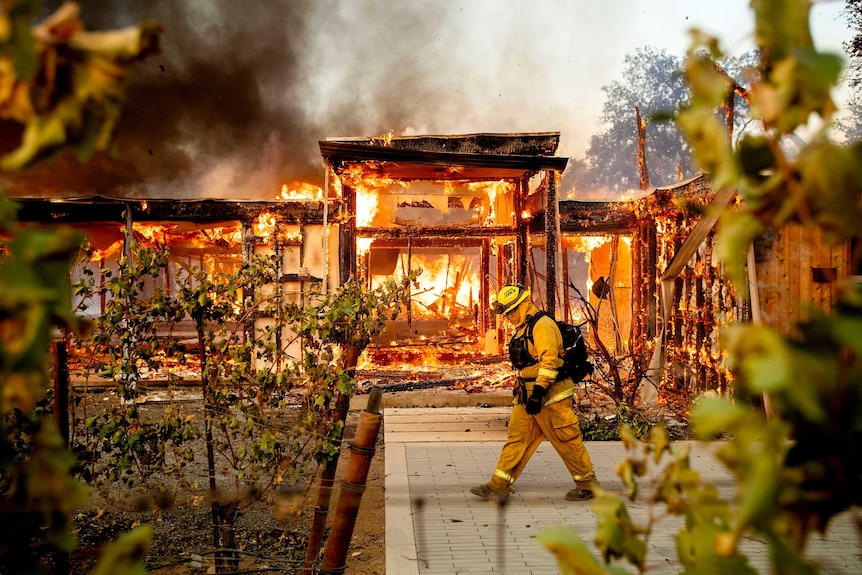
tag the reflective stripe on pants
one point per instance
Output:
(559, 424)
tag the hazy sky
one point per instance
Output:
(493, 65)
(244, 90)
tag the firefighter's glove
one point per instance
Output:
(537, 398)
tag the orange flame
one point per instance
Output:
(363, 245)
(301, 191)
(366, 207)
(265, 225)
(447, 286)
(100, 255)
(157, 233)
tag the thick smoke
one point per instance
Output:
(235, 104)
(215, 114)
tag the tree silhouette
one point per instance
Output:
(653, 83)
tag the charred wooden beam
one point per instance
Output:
(637, 332)
(642, 159)
(484, 287)
(436, 232)
(99, 209)
(438, 242)
(592, 217)
(551, 244)
(347, 253)
(521, 238)
(652, 283)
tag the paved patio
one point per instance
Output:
(434, 525)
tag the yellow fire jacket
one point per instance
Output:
(546, 347)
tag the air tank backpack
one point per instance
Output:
(575, 361)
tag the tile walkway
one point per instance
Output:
(434, 525)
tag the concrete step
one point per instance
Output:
(445, 424)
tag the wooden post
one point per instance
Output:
(347, 263)
(520, 272)
(636, 336)
(353, 485)
(551, 244)
(567, 311)
(484, 285)
(327, 477)
(642, 160)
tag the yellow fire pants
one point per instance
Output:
(558, 423)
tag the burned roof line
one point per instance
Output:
(347, 152)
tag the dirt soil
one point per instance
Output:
(271, 536)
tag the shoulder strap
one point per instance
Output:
(528, 333)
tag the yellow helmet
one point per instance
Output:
(509, 298)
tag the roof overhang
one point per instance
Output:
(396, 163)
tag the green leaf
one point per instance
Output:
(126, 555)
(43, 134)
(830, 177)
(799, 87)
(616, 535)
(21, 41)
(788, 561)
(660, 441)
(755, 156)
(736, 231)
(708, 139)
(698, 552)
(573, 557)
(709, 87)
(625, 470)
(764, 358)
(712, 416)
(781, 26)
(848, 331)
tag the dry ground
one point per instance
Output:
(270, 540)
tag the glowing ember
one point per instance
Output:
(291, 237)
(493, 190)
(368, 189)
(448, 285)
(631, 195)
(229, 236)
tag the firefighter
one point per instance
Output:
(543, 403)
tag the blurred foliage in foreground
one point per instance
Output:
(61, 87)
(800, 467)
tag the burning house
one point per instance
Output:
(471, 213)
(457, 209)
